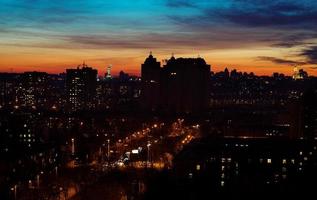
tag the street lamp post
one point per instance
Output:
(108, 149)
(14, 189)
(56, 171)
(73, 146)
(38, 180)
(148, 153)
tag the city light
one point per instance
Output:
(95, 104)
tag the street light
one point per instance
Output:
(14, 189)
(148, 153)
(73, 146)
(108, 149)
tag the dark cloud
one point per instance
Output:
(277, 14)
(187, 42)
(295, 39)
(273, 19)
(310, 53)
(280, 60)
(288, 44)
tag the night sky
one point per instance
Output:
(263, 36)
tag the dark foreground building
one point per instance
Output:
(181, 86)
(240, 168)
(150, 73)
(185, 85)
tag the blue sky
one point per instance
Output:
(267, 34)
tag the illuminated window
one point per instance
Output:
(269, 161)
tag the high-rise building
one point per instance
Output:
(185, 85)
(81, 86)
(33, 90)
(150, 75)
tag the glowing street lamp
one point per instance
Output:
(148, 152)
(73, 146)
(14, 189)
(108, 148)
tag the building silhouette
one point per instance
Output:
(150, 75)
(180, 86)
(81, 86)
(185, 85)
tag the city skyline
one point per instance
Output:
(52, 36)
(137, 73)
(158, 99)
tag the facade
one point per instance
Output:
(81, 86)
(33, 89)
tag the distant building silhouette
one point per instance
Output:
(81, 86)
(8, 87)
